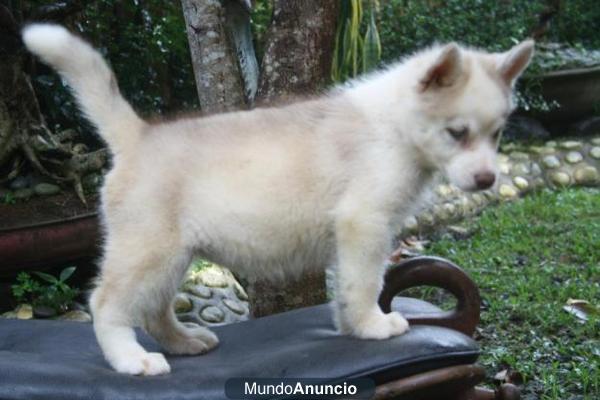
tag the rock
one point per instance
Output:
(521, 183)
(444, 190)
(560, 178)
(449, 208)
(20, 182)
(539, 182)
(504, 168)
(507, 191)
(573, 157)
(212, 314)
(213, 277)
(76, 315)
(182, 303)
(240, 292)
(44, 312)
(595, 152)
(571, 145)
(200, 291)
(46, 189)
(535, 169)
(551, 143)
(91, 181)
(519, 156)
(551, 162)
(411, 223)
(523, 128)
(9, 315)
(234, 306)
(23, 194)
(586, 175)
(425, 218)
(596, 141)
(521, 169)
(24, 311)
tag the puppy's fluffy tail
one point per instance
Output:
(91, 80)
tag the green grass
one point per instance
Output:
(528, 258)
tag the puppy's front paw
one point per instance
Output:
(142, 364)
(381, 326)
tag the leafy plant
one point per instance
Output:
(355, 53)
(48, 290)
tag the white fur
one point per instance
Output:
(273, 192)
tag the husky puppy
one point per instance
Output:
(270, 192)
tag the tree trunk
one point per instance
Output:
(299, 48)
(220, 65)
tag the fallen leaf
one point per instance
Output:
(582, 309)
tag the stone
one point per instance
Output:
(595, 152)
(234, 306)
(212, 314)
(182, 303)
(560, 178)
(539, 182)
(46, 189)
(551, 143)
(521, 169)
(547, 150)
(444, 190)
(535, 169)
(426, 218)
(240, 292)
(521, 183)
(595, 141)
(76, 315)
(507, 191)
(44, 312)
(213, 277)
(519, 156)
(23, 194)
(479, 199)
(20, 182)
(9, 315)
(200, 291)
(586, 175)
(91, 181)
(573, 157)
(24, 311)
(504, 168)
(449, 208)
(571, 145)
(551, 162)
(411, 223)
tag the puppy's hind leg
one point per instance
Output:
(136, 285)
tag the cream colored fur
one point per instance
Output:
(273, 192)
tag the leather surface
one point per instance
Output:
(42, 359)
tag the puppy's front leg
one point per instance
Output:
(363, 245)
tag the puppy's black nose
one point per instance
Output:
(484, 180)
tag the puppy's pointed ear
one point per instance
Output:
(445, 70)
(513, 62)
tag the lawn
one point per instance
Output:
(529, 257)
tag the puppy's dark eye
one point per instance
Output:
(458, 134)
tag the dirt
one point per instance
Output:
(44, 209)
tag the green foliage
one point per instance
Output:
(47, 290)
(407, 25)
(146, 44)
(528, 258)
(354, 52)
(261, 16)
